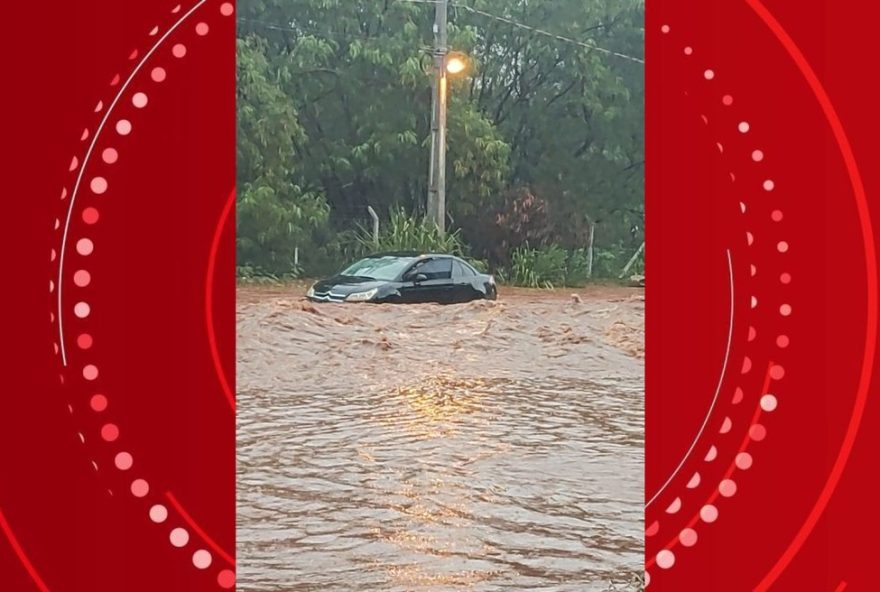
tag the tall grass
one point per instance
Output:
(608, 262)
(257, 275)
(548, 267)
(545, 267)
(405, 233)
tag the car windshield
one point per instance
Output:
(379, 268)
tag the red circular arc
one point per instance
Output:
(209, 300)
(730, 469)
(19, 552)
(198, 529)
(871, 272)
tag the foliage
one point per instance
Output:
(405, 233)
(577, 268)
(334, 116)
(609, 262)
(549, 267)
(572, 116)
(536, 268)
(521, 220)
(480, 265)
(274, 214)
(259, 275)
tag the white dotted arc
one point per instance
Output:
(85, 247)
(665, 558)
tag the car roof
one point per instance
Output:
(413, 254)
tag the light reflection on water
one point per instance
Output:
(478, 447)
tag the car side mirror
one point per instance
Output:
(419, 277)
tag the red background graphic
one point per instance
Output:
(141, 397)
(759, 197)
(760, 139)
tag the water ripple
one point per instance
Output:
(490, 446)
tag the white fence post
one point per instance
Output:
(590, 251)
(375, 218)
(633, 260)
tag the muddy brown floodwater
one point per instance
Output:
(490, 446)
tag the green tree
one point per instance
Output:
(334, 116)
(573, 115)
(274, 213)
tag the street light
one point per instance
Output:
(452, 63)
(456, 63)
(444, 63)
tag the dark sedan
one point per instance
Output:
(406, 278)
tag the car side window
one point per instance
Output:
(436, 269)
(462, 269)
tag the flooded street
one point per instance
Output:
(490, 446)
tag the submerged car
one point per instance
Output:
(406, 278)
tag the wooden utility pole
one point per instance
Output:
(436, 209)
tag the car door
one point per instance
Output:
(437, 285)
(463, 278)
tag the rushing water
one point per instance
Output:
(480, 447)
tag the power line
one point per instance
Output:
(336, 35)
(551, 35)
(536, 30)
(532, 29)
(266, 25)
(301, 30)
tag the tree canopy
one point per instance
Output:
(334, 116)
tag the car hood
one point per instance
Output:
(345, 285)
